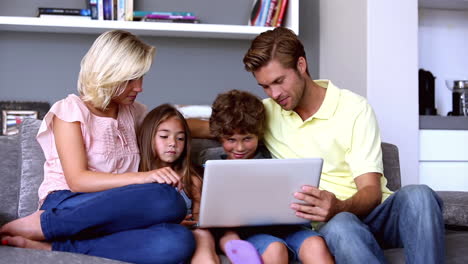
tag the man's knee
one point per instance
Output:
(341, 224)
(419, 197)
(345, 231)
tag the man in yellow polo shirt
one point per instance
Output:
(307, 118)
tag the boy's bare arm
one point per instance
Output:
(199, 128)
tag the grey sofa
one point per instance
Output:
(21, 169)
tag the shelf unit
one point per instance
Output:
(444, 4)
(35, 24)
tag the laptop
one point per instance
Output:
(252, 192)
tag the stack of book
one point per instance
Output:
(268, 13)
(63, 13)
(111, 9)
(175, 17)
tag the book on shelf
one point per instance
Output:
(139, 15)
(108, 6)
(282, 11)
(129, 10)
(193, 21)
(170, 18)
(266, 13)
(63, 11)
(111, 9)
(64, 17)
(93, 7)
(255, 13)
(271, 10)
(276, 13)
(119, 10)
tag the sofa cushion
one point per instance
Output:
(9, 177)
(32, 167)
(455, 208)
(13, 255)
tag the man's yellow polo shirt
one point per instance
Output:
(344, 132)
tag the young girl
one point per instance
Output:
(93, 199)
(164, 140)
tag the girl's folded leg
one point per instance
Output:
(161, 243)
(87, 215)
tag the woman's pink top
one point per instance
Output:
(110, 144)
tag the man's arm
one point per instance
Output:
(199, 128)
(323, 205)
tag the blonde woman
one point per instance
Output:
(93, 199)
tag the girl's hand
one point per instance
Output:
(188, 221)
(164, 175)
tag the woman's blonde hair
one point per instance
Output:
(115, 58)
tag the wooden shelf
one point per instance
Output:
(76, 26)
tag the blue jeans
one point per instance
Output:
(135, 223)
(410, 218)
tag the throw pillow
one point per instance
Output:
(32, 167)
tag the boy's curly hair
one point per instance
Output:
(237, 112)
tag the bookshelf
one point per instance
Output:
(35, 24)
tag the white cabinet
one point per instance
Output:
(34, 24)
(443, 162)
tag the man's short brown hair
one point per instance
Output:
(280, 43)
(237, 112)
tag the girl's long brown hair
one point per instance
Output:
(149, 158)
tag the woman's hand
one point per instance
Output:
(188, 221)
(164, 175)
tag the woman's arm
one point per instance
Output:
(73, 158)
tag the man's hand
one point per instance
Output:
(318, 205)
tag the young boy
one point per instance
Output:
(238, 122)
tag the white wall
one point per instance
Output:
(392, 84)
(343, 44)
(443, 42)
(370, 47)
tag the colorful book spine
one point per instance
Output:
(120, 7)
(100, 6)
(265, 8)
(255, 13)
(193, 21)
(108, 10)
(274, 20)
(284, 5)
(63, 11)
(271, 10)
(153, 16)
(145, 13)
(94, 9)
(129, 10)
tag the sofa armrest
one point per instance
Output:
(10, 161)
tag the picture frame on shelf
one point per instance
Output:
(14, 112)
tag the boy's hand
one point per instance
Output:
(188, 221)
